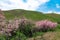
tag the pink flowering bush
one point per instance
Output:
(10, 27)
(6, 27)
(25, 27)
(45, 25)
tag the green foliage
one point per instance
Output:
(3, 37)
(26, 30)
(38, 34)
(19, 36)
(31, 15)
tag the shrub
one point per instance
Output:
(2, 37)
(18, 36)
(45, 25)
(25, 27)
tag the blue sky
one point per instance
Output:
(35, 5)
(52, 6)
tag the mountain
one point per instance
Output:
(34, 15)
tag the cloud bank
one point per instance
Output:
(21, 4)
(52, 12)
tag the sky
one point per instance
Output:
(46, 6)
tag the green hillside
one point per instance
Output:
(34, 15)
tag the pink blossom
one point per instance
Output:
(45, 24)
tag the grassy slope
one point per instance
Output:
(34, 16)
(31, 14)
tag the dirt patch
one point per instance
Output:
(48, 36)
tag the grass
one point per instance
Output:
(36, 16)
(31, 15)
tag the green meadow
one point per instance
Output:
(34, 15)
(37, 16)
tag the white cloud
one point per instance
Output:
(52, 12)
(49, 11)
(58, 12)
(57, 5)
(19, 4)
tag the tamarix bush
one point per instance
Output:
(45, 25)
(25, 27)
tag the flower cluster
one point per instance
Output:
(25, 25)
(45, 24)
(12, 25)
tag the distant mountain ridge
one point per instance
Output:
(34, 15)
